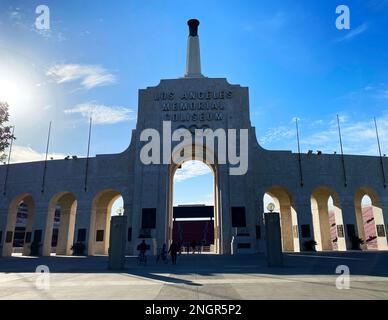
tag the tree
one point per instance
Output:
(5, 130)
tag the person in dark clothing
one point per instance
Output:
(173, 252)
(142, 247)
(194, 245)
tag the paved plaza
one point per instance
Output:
(205, 276)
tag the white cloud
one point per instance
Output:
(276, 134)
(207, 199)
(354, 33)
(359, 137)
(90, 76)
(26, 154)
(102, 114)
(191, 169)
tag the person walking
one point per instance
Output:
(162, 255)
(194, 245)
(142, 248)
(173, 252)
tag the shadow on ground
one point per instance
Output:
(359, 263)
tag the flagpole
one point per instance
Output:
(45, 160)
(381, 158)
(299, 154)
(342, 152)
(9, 160)
(87, 157)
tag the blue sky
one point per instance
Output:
(289, 53)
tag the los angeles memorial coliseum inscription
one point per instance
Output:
(193, 105)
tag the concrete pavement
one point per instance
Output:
(206, 276)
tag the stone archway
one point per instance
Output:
(8, 239)
(377, 217)
(203, 154)
(327, 220)
(67, 204)
(288, 218)
(100, 218)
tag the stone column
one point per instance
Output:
(40, 221)
(384, 207)
(8, 220)
(260, 221)
(83, 220)
(3, 223)
(350, 216)
(30, 219)
(303, 209)
(128, 213)
(66, 230)
(225, 214)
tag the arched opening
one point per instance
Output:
(282, 200)
(327, 220)
(19, 226)
(105, 204)
(370, 219)
(60, 223)
(208, 234)
(193, 205)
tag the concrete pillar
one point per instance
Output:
(127, 213)
(40, 221)
(67, 227)
(225, 211)
(30, 219)
(48, 234)
(324, 224)
(384, 207)
(379, 220)
(9, 226)
(303, 209)
(286, 227)
(102, 221)
(295, 230)
(273, 240)
(352, 215)
(83, 216)
(341, 240)
(260, 243)
(3, 222)
(117, 239)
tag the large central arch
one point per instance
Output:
(203, 154)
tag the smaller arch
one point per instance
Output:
(327, 219)
(66, 203)
(99, 230)
(288, 217)
(370, 219)
(8, 239)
